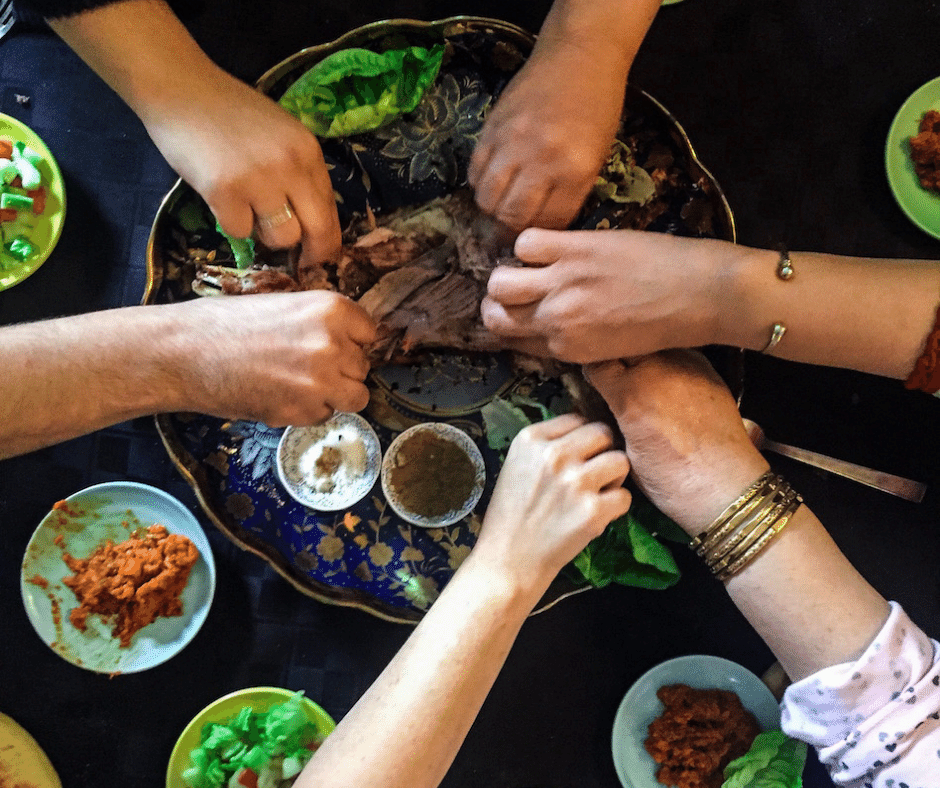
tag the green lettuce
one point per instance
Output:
(243, 249)
(628, 552)
(357, 90)
(774, 761)
(503, 419)
(253, 740)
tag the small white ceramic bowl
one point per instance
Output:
(359, 458)
(446, 432)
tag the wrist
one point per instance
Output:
(500, 583)
(720, 491)
(158, 356)
(599, 30)
(142, 50)
(745, 313)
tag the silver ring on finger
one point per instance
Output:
(268, 221)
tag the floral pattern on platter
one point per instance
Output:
(367, 548)
(440, 132)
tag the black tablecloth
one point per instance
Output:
(788, 104)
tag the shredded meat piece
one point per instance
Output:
(925, 150)
(137, 580)
(699, 733)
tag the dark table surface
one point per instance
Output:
(787, 103)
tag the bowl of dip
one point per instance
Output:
(433, 475)
(330, 466)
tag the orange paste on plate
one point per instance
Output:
(700, 732)
(137, 580)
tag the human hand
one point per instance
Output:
(249, 158)
(547, 136)
(559, 488)
(684, 436)
(280, 358)
(596, 295)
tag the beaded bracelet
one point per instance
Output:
(925, 375)
(734, 538)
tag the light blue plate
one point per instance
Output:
(640, 706)
(93, 515)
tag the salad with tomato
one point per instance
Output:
(255, 749)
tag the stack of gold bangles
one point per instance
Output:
(747, 526)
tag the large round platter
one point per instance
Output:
(367, 556)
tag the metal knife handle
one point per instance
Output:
(887, 482)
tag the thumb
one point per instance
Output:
(607, 376)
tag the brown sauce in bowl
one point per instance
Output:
(431, 475)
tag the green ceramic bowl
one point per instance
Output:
(921, 205)
(260, 699)
(42, 230)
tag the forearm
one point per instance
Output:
(611, 30)
(423, 704)
(867, 314)
(802, 596)
(70, 376)
(807, 602)
(142, 50)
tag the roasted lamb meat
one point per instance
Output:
(419, 272)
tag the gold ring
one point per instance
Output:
(267, 221)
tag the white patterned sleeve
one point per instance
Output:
(875, 722)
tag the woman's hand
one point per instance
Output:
(596, 295)
(560, 486)
(685, 439)
(251, 161)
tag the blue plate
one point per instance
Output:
(111, 511)
(640, 706)
(368, 556)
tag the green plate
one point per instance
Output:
(260, 699)
(921, 205)
(43, 230)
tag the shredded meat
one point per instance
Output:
(699, 733)
(420, 272)
(137, 580)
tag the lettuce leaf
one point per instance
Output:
(503, 419)
(774, 761)
(627, 553)
(357, 90)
